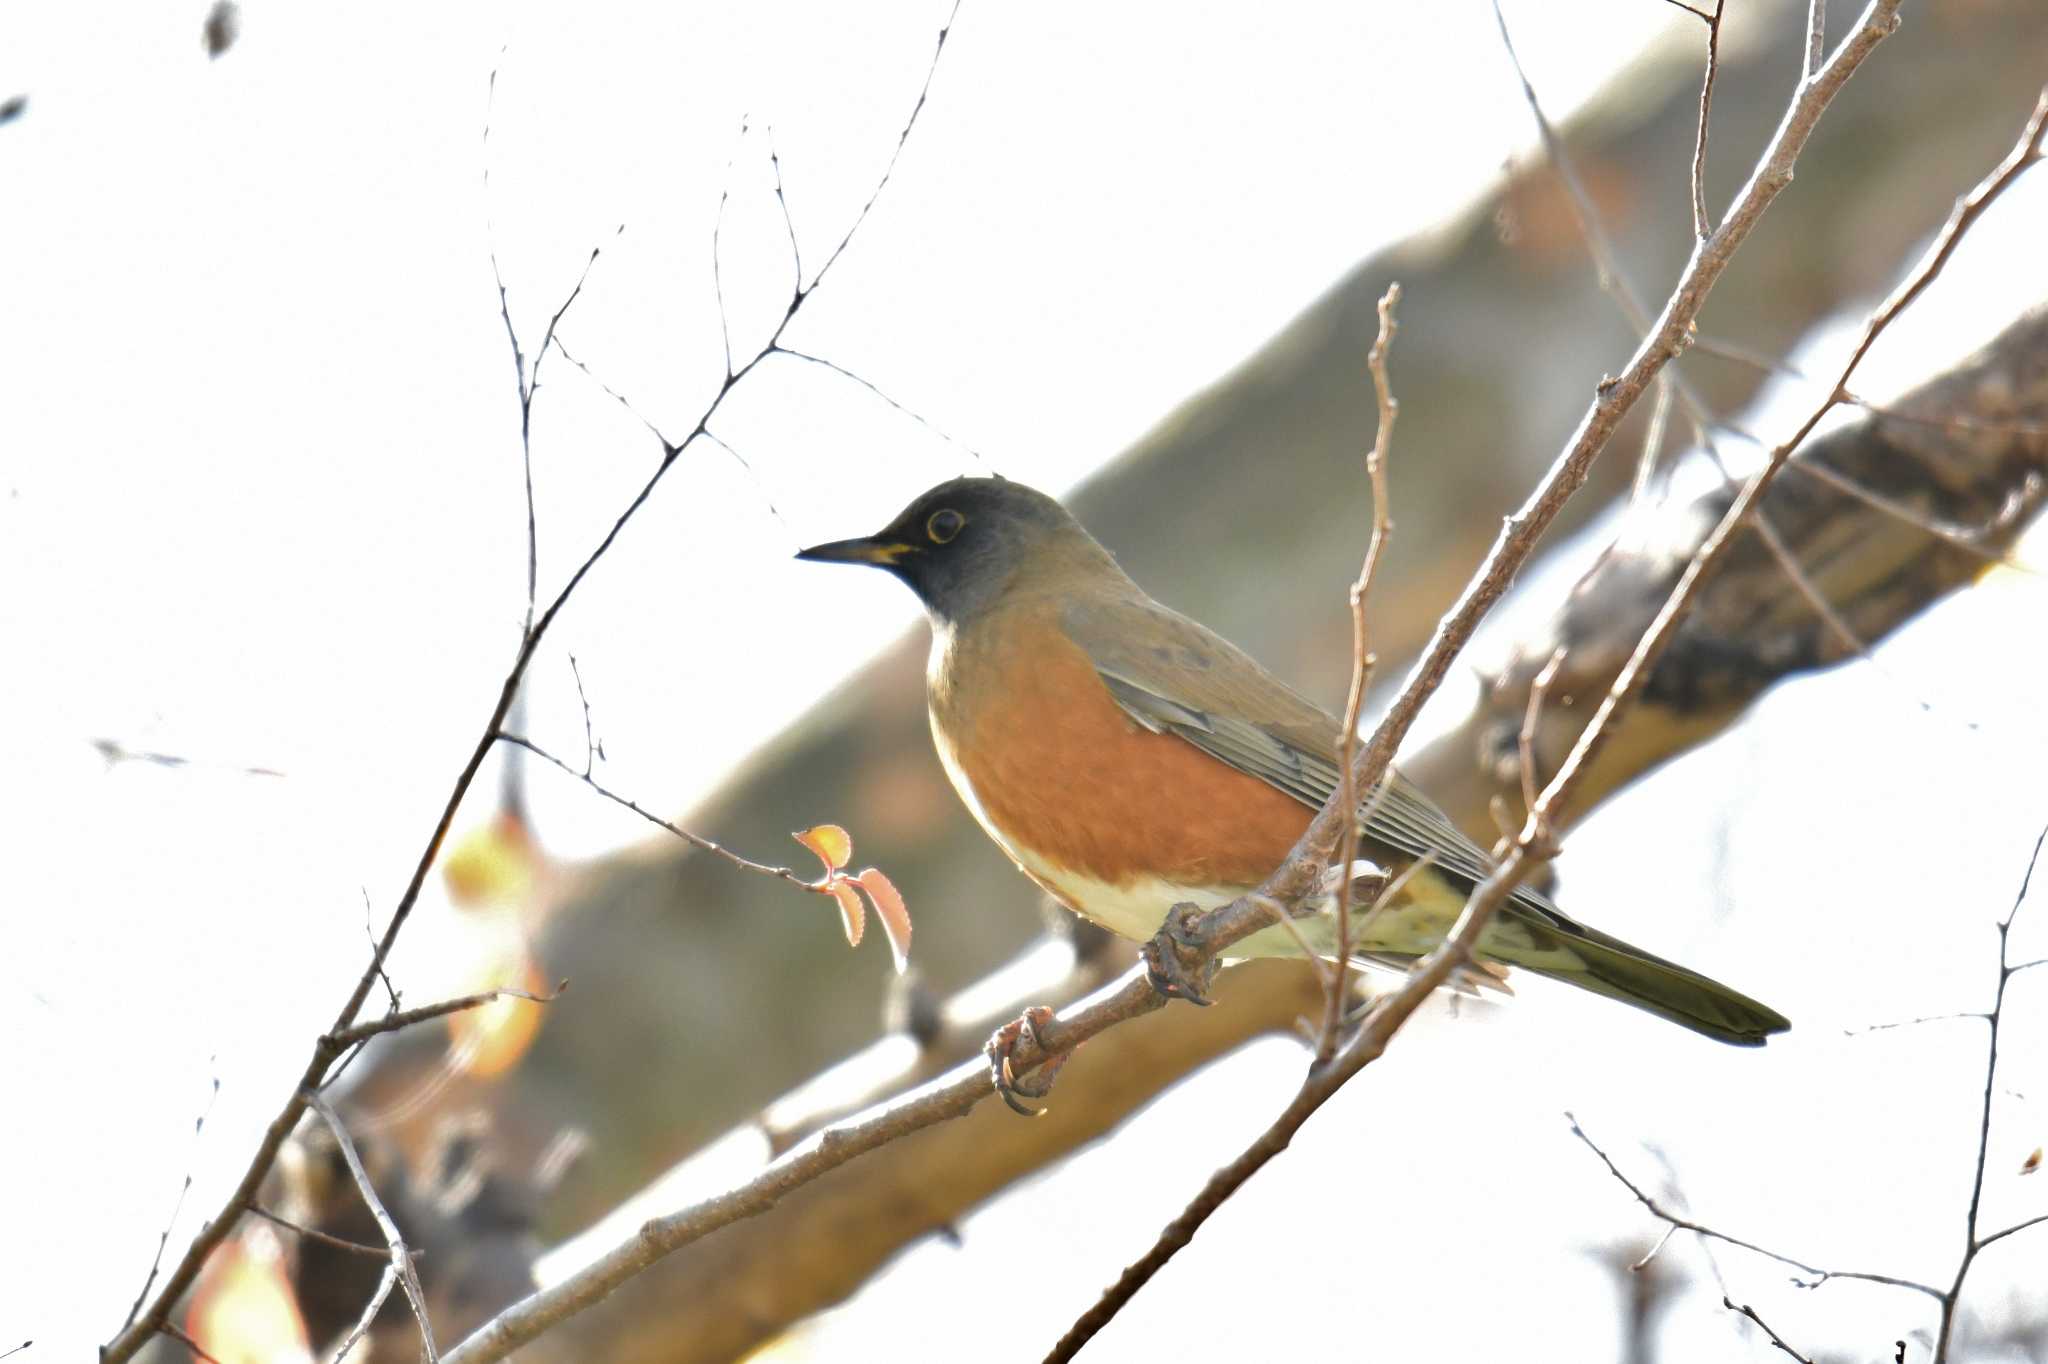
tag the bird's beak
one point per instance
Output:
(876, 550)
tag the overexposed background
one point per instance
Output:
(263, 509)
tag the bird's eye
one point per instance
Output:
(944, 525)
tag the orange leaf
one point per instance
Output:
(2032, 1162)
(849, 908)
(889, 908)
(832, 844)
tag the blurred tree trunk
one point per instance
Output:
(1504, 333)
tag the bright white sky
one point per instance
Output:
(262, 507)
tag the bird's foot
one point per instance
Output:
(1177, 961)
(1013, 1088)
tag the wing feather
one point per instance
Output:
(1185, 680)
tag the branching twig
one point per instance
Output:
(400, 1255)
(1616, 284)
(370, 1311)
(1815, 1275)
(1700, 224)
(843, 372)
(325, 1052)
(1536, 843)
(177, 1207)
(1974, 1239)
(1745, 1310)
(406, 1018)
(325, 1238)
(968, 1085)
(177, 1333)
(1361, 661)
(627, 803)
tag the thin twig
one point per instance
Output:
(717, 264)
(175, 1284)
(1974, 1240)
(406, 1018)
(1653, 445)
(1615, 283)
(1536, 842)
(910, 412)
(1815, 1275)
(325, 1238)
(370, 1311)
(592, 749)
(1816, 35)
(627, 803)
(968, 1085)
(1746, 1310)
(1361, 660)
(888, 171)
(177, 1333)
(796, 253)
(177, 1207)
(1700, 223)
(399, 1254)
(753, 475)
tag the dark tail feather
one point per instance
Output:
(1608, 966)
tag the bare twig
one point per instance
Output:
(938, 50)
(324, 1053)
(1615, 396)
(627, 803)
(1815, 1275)
(1536, 843)
(592, 749)
(406, 1018)
(325, 1238)
(1361, 660)
(1616, 284)
(177, 1333)
(843, 372)
(1746, 1310)
(796, 254)
(1700, 225)
(370, 1311)
(1974, 1239)
(717, 264)
(177, 1207)
(399, 1255)
(1816, 34)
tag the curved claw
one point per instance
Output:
(1001, 1048)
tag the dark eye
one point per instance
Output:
(944, 525)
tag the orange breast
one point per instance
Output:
(1060, 770)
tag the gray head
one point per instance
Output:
(961, 544)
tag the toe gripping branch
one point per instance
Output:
(1014, 1088)
(1177, 959)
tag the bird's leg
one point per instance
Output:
(1029, 1027)
(1177, 961)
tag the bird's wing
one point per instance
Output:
(1175, 676)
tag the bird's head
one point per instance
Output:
(960, 545)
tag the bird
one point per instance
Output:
(1129, 760)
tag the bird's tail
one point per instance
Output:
(1564, 950)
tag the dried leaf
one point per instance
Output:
(889, 908)
(2031, 1163)
(832, 844)
(849, 908)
